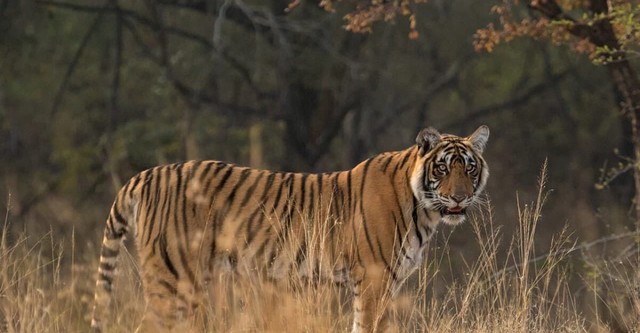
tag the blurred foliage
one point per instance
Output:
(92, 92)
(576, 23)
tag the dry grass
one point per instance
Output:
(43, 289)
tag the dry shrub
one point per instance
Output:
(505, 289)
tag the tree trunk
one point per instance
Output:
(625, 81)
(627, 84)
(601, 34)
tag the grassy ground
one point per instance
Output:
(43, 289)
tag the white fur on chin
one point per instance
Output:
(453, 219)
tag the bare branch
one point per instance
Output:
(140, 41)
(130, 14)
(509, 104)
(156, 25)
(76, 58)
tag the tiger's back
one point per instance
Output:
(193, 220)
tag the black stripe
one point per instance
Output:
(146, 189)
(401, 236)
(399, 208)
(205, 171)
(251, 232)
(287, 199)
(405, 159)
(167, 209)
(303, 195)
(109, 231)
(386, 262)
(181, 204)
(185, 263)
(312, 197)
(263, 246)
(260, 209)
(224, 179)
(244, 174)
(270, 179)
(106, 252)
(115, 213)
(182, 201)
(106, 278)
(386, 163)
(351, 209)
(334, 196)
(289, 206)
(285, 218)
(362, 214)
(173, 194)
(105, 266)
(222, 214)
(479, 170)
(166, 259)
(146, 203)
(193, 169)
(127, 185)
(170, 287)
(353, 220)
(449, 149)
(320, 180)
(396, 169)
(250, 190)
(276, 201)
(414, 216)
(153, 208)
(136, 181)
(211, 178)
(425, 170)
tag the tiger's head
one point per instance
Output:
(450, 173)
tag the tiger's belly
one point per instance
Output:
(313, 266)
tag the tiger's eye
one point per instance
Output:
(442, 168)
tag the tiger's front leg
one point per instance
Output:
(371, 296)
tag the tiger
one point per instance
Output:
(196, 219)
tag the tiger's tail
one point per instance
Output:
(117, 227)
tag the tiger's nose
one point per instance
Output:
(458, 198)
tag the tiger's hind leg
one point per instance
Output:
(170, 303)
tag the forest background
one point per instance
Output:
(92, 92)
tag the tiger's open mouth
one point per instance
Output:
(453, 211)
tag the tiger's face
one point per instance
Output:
(451, 172)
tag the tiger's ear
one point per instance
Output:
(427, 139)
(479, 138)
